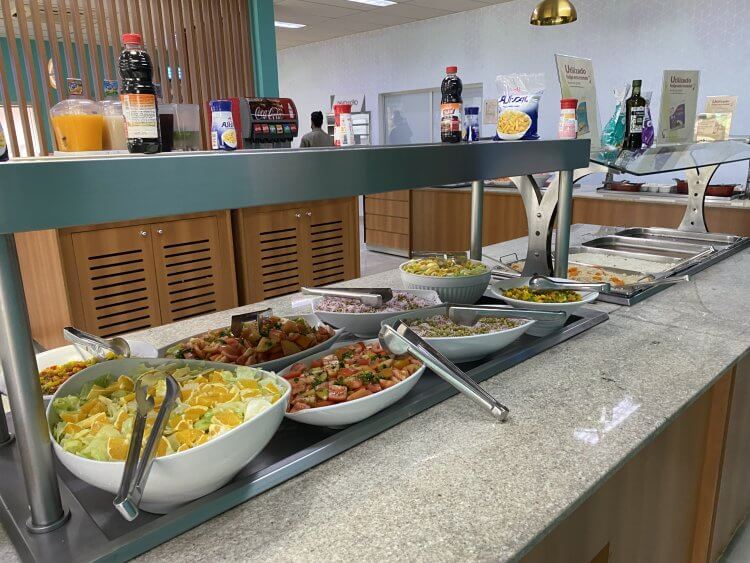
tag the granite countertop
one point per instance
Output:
(590, 192)
(452, 483)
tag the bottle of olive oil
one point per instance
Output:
(635, 117)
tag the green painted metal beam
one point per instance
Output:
(263, 40)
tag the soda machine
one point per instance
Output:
(268, 122)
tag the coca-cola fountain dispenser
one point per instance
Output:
(268, 122)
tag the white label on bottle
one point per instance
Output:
(140, 116)
(637, 116)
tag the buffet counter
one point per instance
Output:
(619, 445)
(438, 218)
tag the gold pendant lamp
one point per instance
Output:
(554, 12)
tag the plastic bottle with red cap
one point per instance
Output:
(568, 128)
(138, 95)
(451, 105)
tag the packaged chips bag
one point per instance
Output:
(518, 105)
(614, 131)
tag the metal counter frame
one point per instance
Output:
(49, 193)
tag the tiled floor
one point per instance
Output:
(738, 551)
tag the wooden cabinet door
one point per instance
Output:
(332, 242)
(116, 279)
(274, 253)
(193, 267)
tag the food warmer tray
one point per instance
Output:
(646, 246)
(684, 237)
(681, 267)
(98, 533)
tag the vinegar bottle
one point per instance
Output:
(451, 121)
(138, 95)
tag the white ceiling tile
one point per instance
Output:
(316, 9)
(294, 14)
(414, 12)
(380, 16)
(448, 5)
(344, 4)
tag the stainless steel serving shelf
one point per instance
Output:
(58, 519)
(97, 533)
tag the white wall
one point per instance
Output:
(626, 39)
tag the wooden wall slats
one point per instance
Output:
(33, 78)
(203, 44)
(17, 69)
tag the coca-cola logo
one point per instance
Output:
(269, 113)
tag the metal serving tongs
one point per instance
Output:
(467, 316)
(375, 297)
(137, 468)
(401, 340)
(651, 283)
(457, 257)
(238, 321)
(98, 347)
(543, 282)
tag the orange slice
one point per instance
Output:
(194, 413)
(248, 384)
(227, 418)
(71, 428)
(122, 416)
(163, 448)
(117, 449)
(187, 436)
(89, 422)
(72, 416)
(215, 377)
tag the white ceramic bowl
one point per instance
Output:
(454, 289)
(71, 353)
(511, 136)
(366, 325)
(464, 348)
(350, 412)
(281, 363)
(541, 328)
(181, 477)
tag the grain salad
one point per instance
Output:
(401, 301)
(441, 326)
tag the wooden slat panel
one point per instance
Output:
(17, 68)
(109, 67)
(114, 30)
(135, 16)
(244, 45)
(122, 10)
(49, 19)
(71, 61)
(8, 110)
(401, 195)
(36, 18)
(39, 113)
(80, 47)
(191, 50)
(186, 71)
(173, 55)
(91, 44)
(160, 48)
(387, 240)
(148, 35)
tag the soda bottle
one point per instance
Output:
(138, 95)
(450, 107)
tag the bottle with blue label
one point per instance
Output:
(223, 133)
(471, 124)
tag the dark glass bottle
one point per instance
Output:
(635, 117)
(451, 120)
(138, 95)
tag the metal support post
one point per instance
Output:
(477, 213)
(564, 216)
(25, 394)
(5, 436)
(694, 220)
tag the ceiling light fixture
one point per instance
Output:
(553, 12)
(288, 25)
(375, 2)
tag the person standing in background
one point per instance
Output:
(317, 137)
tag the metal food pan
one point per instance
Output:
(647, 246)
(683, 237)
(661, 259)
(610, 269)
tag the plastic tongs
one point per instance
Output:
(543, 282)
(468, 315)
(375, 297)
(138, 467)
(98, 347)
(401, 340)
(238, 321)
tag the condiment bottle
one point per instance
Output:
(450, 106)
(635, 116)
(568, 128)
(471, 124)
(115, 136)
(139, 105)
(223, 133)
(77, 122)
(3, 146)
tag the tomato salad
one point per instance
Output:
(351, 372)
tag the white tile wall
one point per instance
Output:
(625, 38)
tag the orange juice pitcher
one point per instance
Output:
(77, 122)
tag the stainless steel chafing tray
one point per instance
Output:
(683, 237)
(631, 245)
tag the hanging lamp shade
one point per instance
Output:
(554, 12)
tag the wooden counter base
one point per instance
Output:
(680, 498)
(439, 218)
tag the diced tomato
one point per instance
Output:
(363, 361)
(358, 394)
(346, 372)
(298, 386)
(352, 383)
(316, 364)
(296, 407)
(337, 393)
(386, 383)
(374, 388)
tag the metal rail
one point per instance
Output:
(55, 193)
